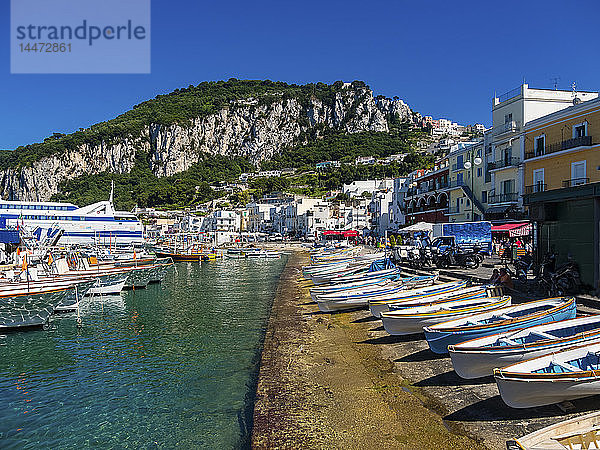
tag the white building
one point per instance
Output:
(259, 217)
(222, 220)
(314, 220)
(510, 113)
(380, 211)
(364, 160)
(357, 188)
(269, 173)
(396, 209)
(352, 216)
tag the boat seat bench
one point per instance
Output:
(542, 335)
(566, 366)
(507, 341)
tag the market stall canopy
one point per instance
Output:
(513, 229)
(345, 233)
(420, 226)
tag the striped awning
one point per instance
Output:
(513, 229)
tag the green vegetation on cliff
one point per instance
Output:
(339, 146)
(315, 183)
(179, 106)
(141, 187)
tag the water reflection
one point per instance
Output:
(170, 365)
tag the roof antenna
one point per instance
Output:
(576, 99)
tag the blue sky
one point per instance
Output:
(445, 59)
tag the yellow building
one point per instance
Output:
(561, 175)
(561, 149)
(468, 187)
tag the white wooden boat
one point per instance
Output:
(362, 276)
(441, 335)
(567, 375)
(338, 303)
(379, 304)
(479, 357)
(468, 293)
(579, 433)
(107, 287)
(323, 290)
(412, 320)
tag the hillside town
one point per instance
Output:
(535, 165)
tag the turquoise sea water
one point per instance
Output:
(173, 365)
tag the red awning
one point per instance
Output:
(513, 229)
(346, 233)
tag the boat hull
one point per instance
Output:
(477, 363)
(529, 393)
(439, 340)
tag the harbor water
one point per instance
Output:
(173, 365)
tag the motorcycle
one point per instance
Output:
(523, 264)
(455, 256)
(560, 281)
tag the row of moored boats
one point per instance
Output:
(40, 287)
(539, 352)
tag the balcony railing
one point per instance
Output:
(540, 187)
(510, 94)
(575, 182)
(453, 210)
(506, 162)
(503, 198)
(456, 183)
(508, 127)
(582, 141)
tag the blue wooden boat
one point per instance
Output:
(381, 303)
(479, 357)
(554, 378)
(441, 335)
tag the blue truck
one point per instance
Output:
(465, 235)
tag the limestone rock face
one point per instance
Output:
(243, 128)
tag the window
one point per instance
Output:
(508, 186)
(484, 196)
(580, 130)
(459, 162)
(538, 180)
(479, 171)
(459, 179)
(578, 173)
(540, 145)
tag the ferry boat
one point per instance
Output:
(96, 224)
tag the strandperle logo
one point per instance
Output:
(85, 32)
(80, 36)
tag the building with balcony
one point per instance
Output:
(380, 212)
(511, 112)
(259, 217)
(353, 215)
(358, 188)
(398, 205)
(426, 198)
(469, 186)
(562, 185)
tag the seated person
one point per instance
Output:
(505, 279)
(495, 276)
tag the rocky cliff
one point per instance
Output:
(247, 127)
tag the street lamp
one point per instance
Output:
(471, 165)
